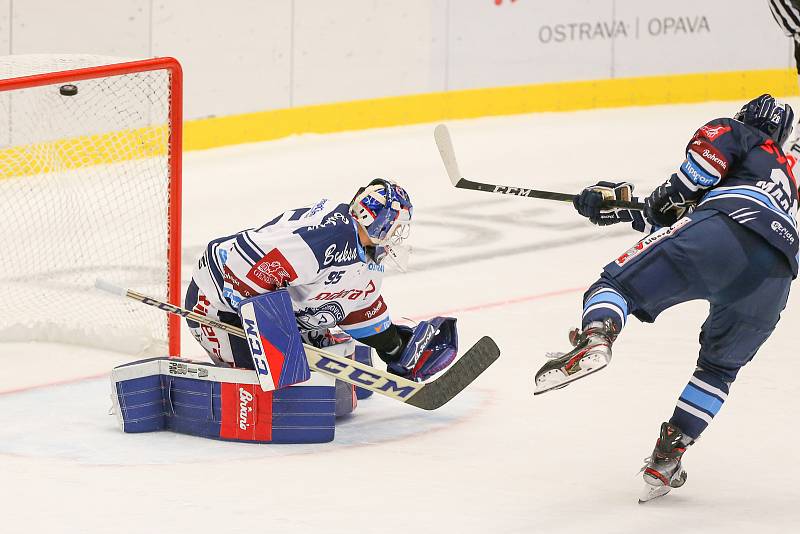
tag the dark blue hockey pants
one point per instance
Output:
(709, 257)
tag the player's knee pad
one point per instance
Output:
(224, 403)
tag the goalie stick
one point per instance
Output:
(445, 144)
(426, 395)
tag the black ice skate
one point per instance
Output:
(592, 352)
(663, 469)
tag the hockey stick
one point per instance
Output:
(426, 395)
(445, 144)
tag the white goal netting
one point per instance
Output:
(85, 194)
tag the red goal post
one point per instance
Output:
(113, 150)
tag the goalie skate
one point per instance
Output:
(592, 353)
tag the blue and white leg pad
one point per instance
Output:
(205, 400)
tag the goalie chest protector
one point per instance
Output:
(205, 400)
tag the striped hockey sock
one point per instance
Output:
(699, 402)
(605, 303)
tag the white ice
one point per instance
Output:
(494, 460)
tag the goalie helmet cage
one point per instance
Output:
(90, 187)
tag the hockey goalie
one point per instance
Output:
(310, 275)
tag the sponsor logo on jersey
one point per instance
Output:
(376, 309)
(714, 157)
(236, 285)
(350, 294)
(272, 271)
(366, 314)
(697, 175)
(782, 231)
(651, 240)
(705, 151)
(375, 267)
(211, 341)
(343, 255)
(382, 326)
(711, 132)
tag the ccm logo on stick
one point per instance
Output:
(254, 340)
(363, 377)
(511, 190)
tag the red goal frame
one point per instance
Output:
(175, 142)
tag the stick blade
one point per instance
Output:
(442, 136)
(475, 361)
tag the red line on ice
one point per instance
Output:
(55, 383)
(501, 303)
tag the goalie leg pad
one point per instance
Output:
(205, 400)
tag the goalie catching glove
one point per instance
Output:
(428, 348)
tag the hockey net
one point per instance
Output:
(89, 188)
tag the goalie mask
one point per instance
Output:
(771, 116)
(384, 210)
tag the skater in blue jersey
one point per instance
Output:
(723, 229)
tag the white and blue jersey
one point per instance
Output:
(736, 169)
(315, 253)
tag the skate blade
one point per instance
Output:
(544, 388)
(651, 492)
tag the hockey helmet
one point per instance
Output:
(773, 117)
(384, 209)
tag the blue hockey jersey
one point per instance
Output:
(738, 170)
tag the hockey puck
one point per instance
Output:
(68, 90)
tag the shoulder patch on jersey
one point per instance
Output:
(316, 208)
(712, 131)
(334, 241)
(272, 271)
(706, 152)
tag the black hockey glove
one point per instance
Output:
(665, 206)
(588, 203)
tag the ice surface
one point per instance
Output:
(494, 460)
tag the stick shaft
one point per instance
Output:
(445, 144)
